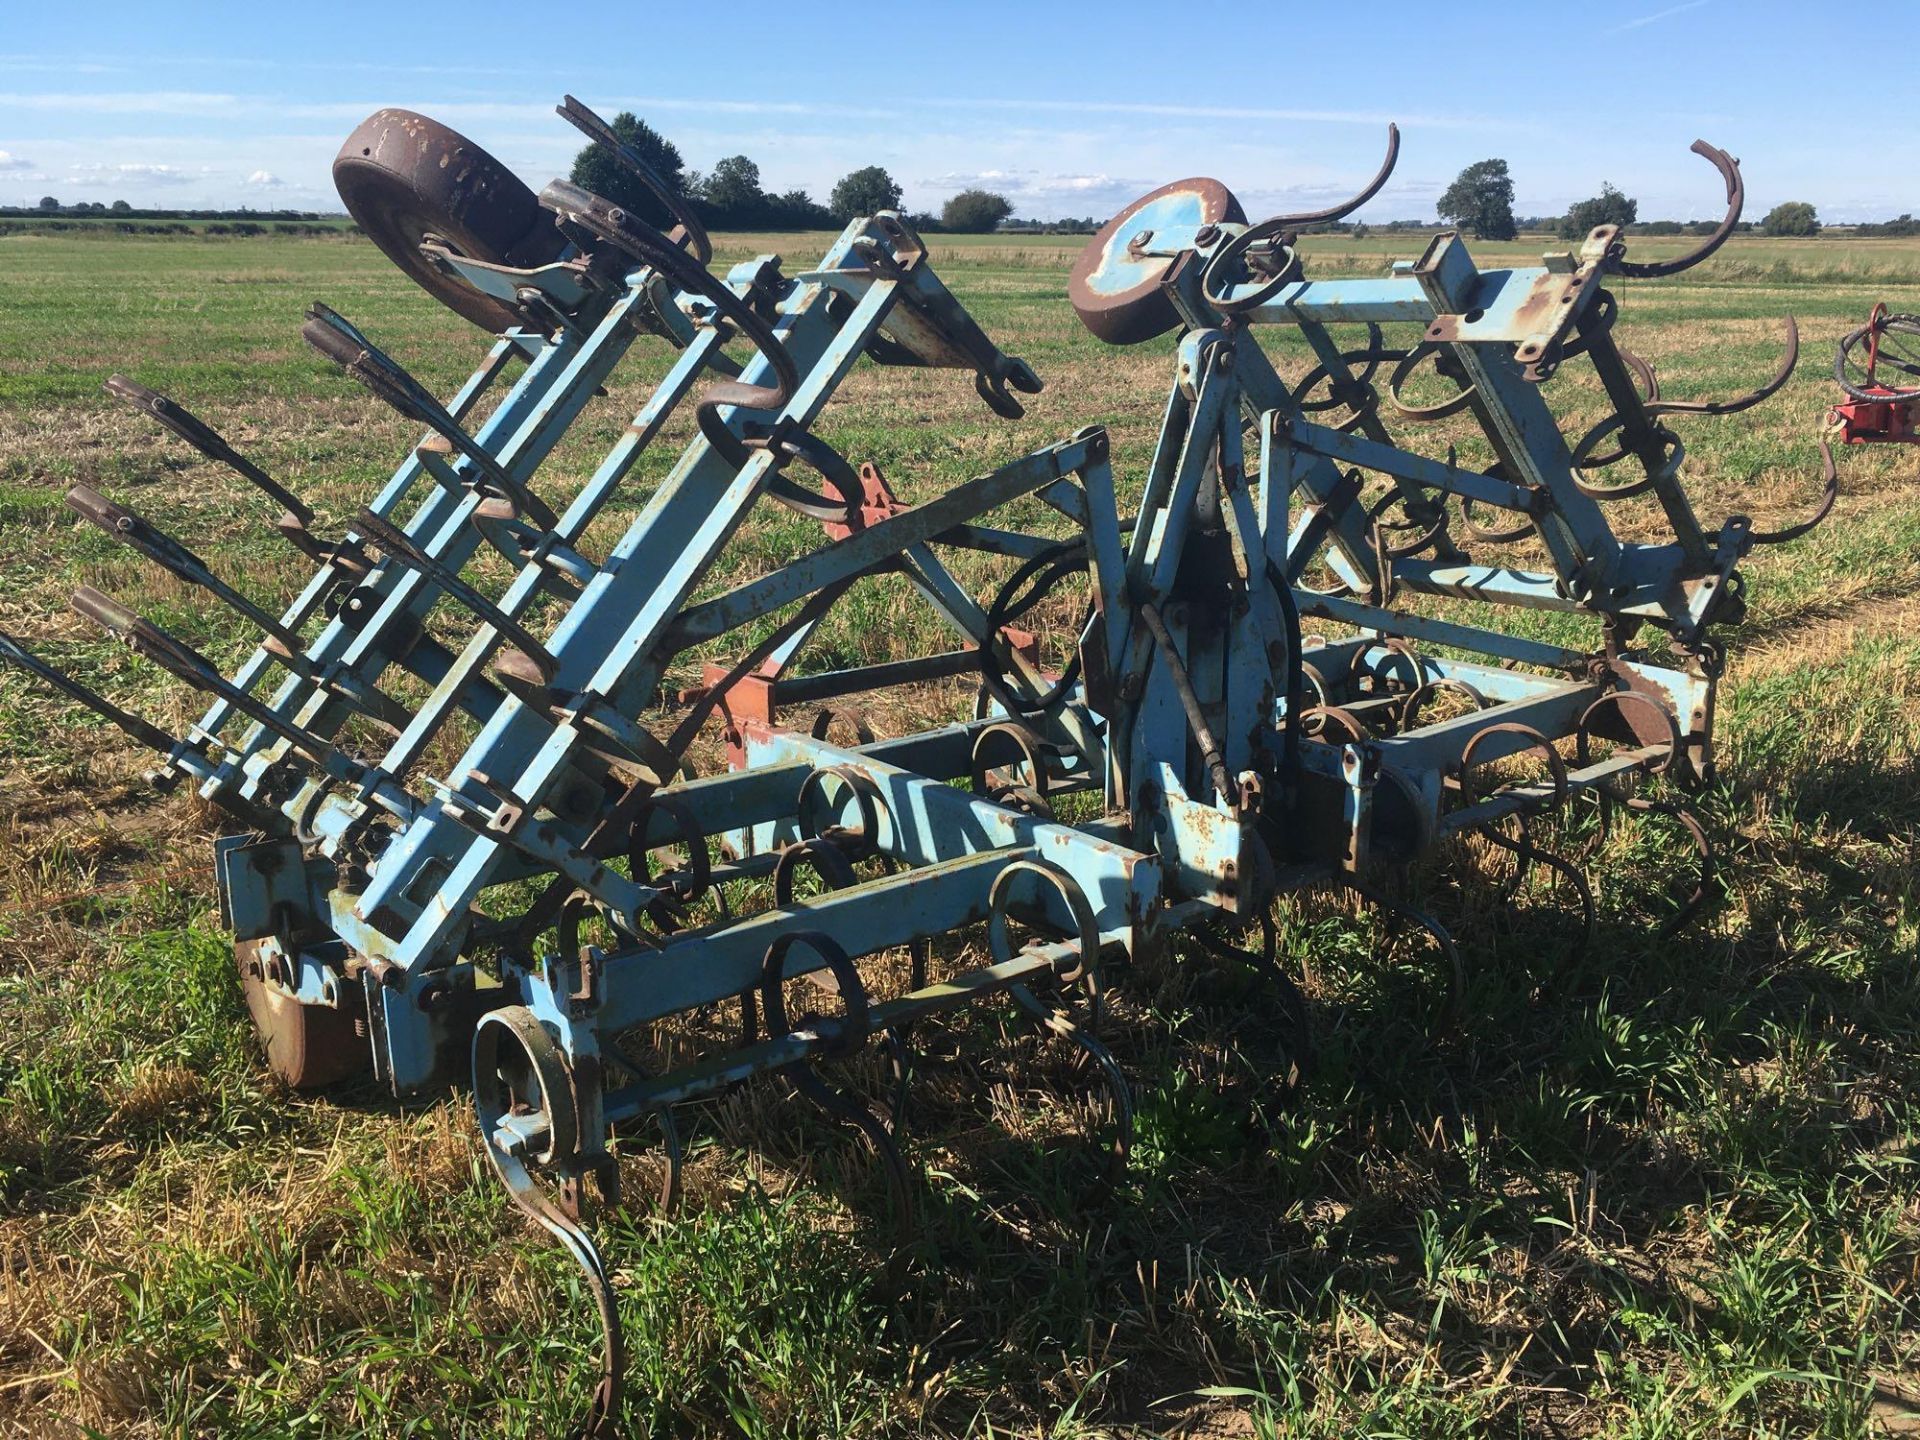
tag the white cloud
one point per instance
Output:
(124, 102)
(264, 178)
(10, 161)
(1658, 16)
(1041, 192)
(133, 173)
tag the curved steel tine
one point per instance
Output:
(1643, 368)
(1282, 227)
(1067, 1028)
(397, 543)
(1582, 888)
(1729, 169)
(671, 1184)
(149, 735)
(1346, 207)
(876, 1133)
(1702, 841)
(1298, 1042)
(176, 559)
(899, 1038)
(527, 1196)
(592, 126)
(1442, 937)
(900, 1055)
(1521, 848)
(340, 341)
(137, 533)
(615, 226)
(1830, 481)
(182, 661)
(1753, 397)
(1531, 853)
(208, 441)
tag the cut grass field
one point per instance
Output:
(1649, 1188)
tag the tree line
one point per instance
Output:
(1480, 200)
(48, 207)
(731, 196)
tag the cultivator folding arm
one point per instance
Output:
(508, 918)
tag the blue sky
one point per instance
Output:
(1068, 109)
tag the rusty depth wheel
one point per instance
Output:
(1115, 289)
(405, 177)
(307, 1046)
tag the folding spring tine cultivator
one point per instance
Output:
(427, 927)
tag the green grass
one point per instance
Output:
(1651, 1188)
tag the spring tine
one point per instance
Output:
(285, 645)
(182, 661)
(400, 546)
(1296, 1028)
(602, 1416)
(1782, 373)
(1701, 841)
(899, 1038)
(208, 441)
(341, 342)
(900, 1058)
(1729, 169)
(296, 516)
(131, 530)
(673, 1181)
(592, 126)
(1643, 368)
(878, 1136)
(1530, 853)
(1067, 1028)
(1522, 848)
(1441, 936)
(1829, 493)
(149, 735)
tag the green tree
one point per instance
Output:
(1481, 200)
(1609, 207)
(121, 207)
(1791, 217)
(595, 169)
(974, 212)
(47, 202)
(733, 190)
(861, 192)
(797, 210)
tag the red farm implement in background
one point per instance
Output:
(1874, 411)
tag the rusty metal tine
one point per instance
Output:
(592, 126)
(396, 543)
(283, 644)
(341, 341)
(1062, 1024)
(131, 530)
(147, 734)
(182, 661)
(208, 441)
(1729, 169)
(1782, 373)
